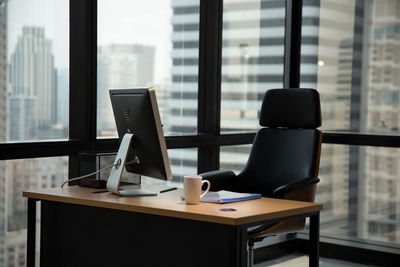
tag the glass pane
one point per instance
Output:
(183, 162)
(139, 45)
(34, 69)
(252, 59)
(234, 157)
(359, 189)
(350, 53)
(17, 176)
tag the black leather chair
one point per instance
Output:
(284, 158)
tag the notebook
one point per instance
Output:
(227, 197)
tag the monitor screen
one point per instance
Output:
(136, 112)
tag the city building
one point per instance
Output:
(13, 249)
(62, 94)
(23, 175)
(120, 66)
(33, 82)
(381, 108)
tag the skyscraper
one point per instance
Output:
(380, 105)
(33, 80)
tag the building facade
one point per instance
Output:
(33, 81)
(120, 66)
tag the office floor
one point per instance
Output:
(300, 260)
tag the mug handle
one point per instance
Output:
(208, 187)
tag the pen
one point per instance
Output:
(168, 189)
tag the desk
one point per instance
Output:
(79, 228)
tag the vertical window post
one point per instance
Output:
(209, 98)
(82, 118)
(292, 43)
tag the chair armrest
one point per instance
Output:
(295, 185)
(220, 180)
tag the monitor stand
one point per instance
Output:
(116, 171)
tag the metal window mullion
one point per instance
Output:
(82, 109)
(293, 19)
(209, 96)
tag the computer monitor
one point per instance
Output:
(141, 136)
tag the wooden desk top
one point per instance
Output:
(170, 204)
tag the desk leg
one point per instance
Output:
(31, 235)
(241, 247)
(314, 240)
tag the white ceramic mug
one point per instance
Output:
(192, 188)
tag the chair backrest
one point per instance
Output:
(288, 146)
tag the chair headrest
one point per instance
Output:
(292, 108)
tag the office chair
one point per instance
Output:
(284, 159)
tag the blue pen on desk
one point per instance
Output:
(168, 189)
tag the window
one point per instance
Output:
(234, 157)
(139, 45)
(252, 60)
(23, 175)
(353, 69)
(359, 198)
(183, 162)
(34, 70)
(353, 66)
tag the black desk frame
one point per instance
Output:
(68, 232)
